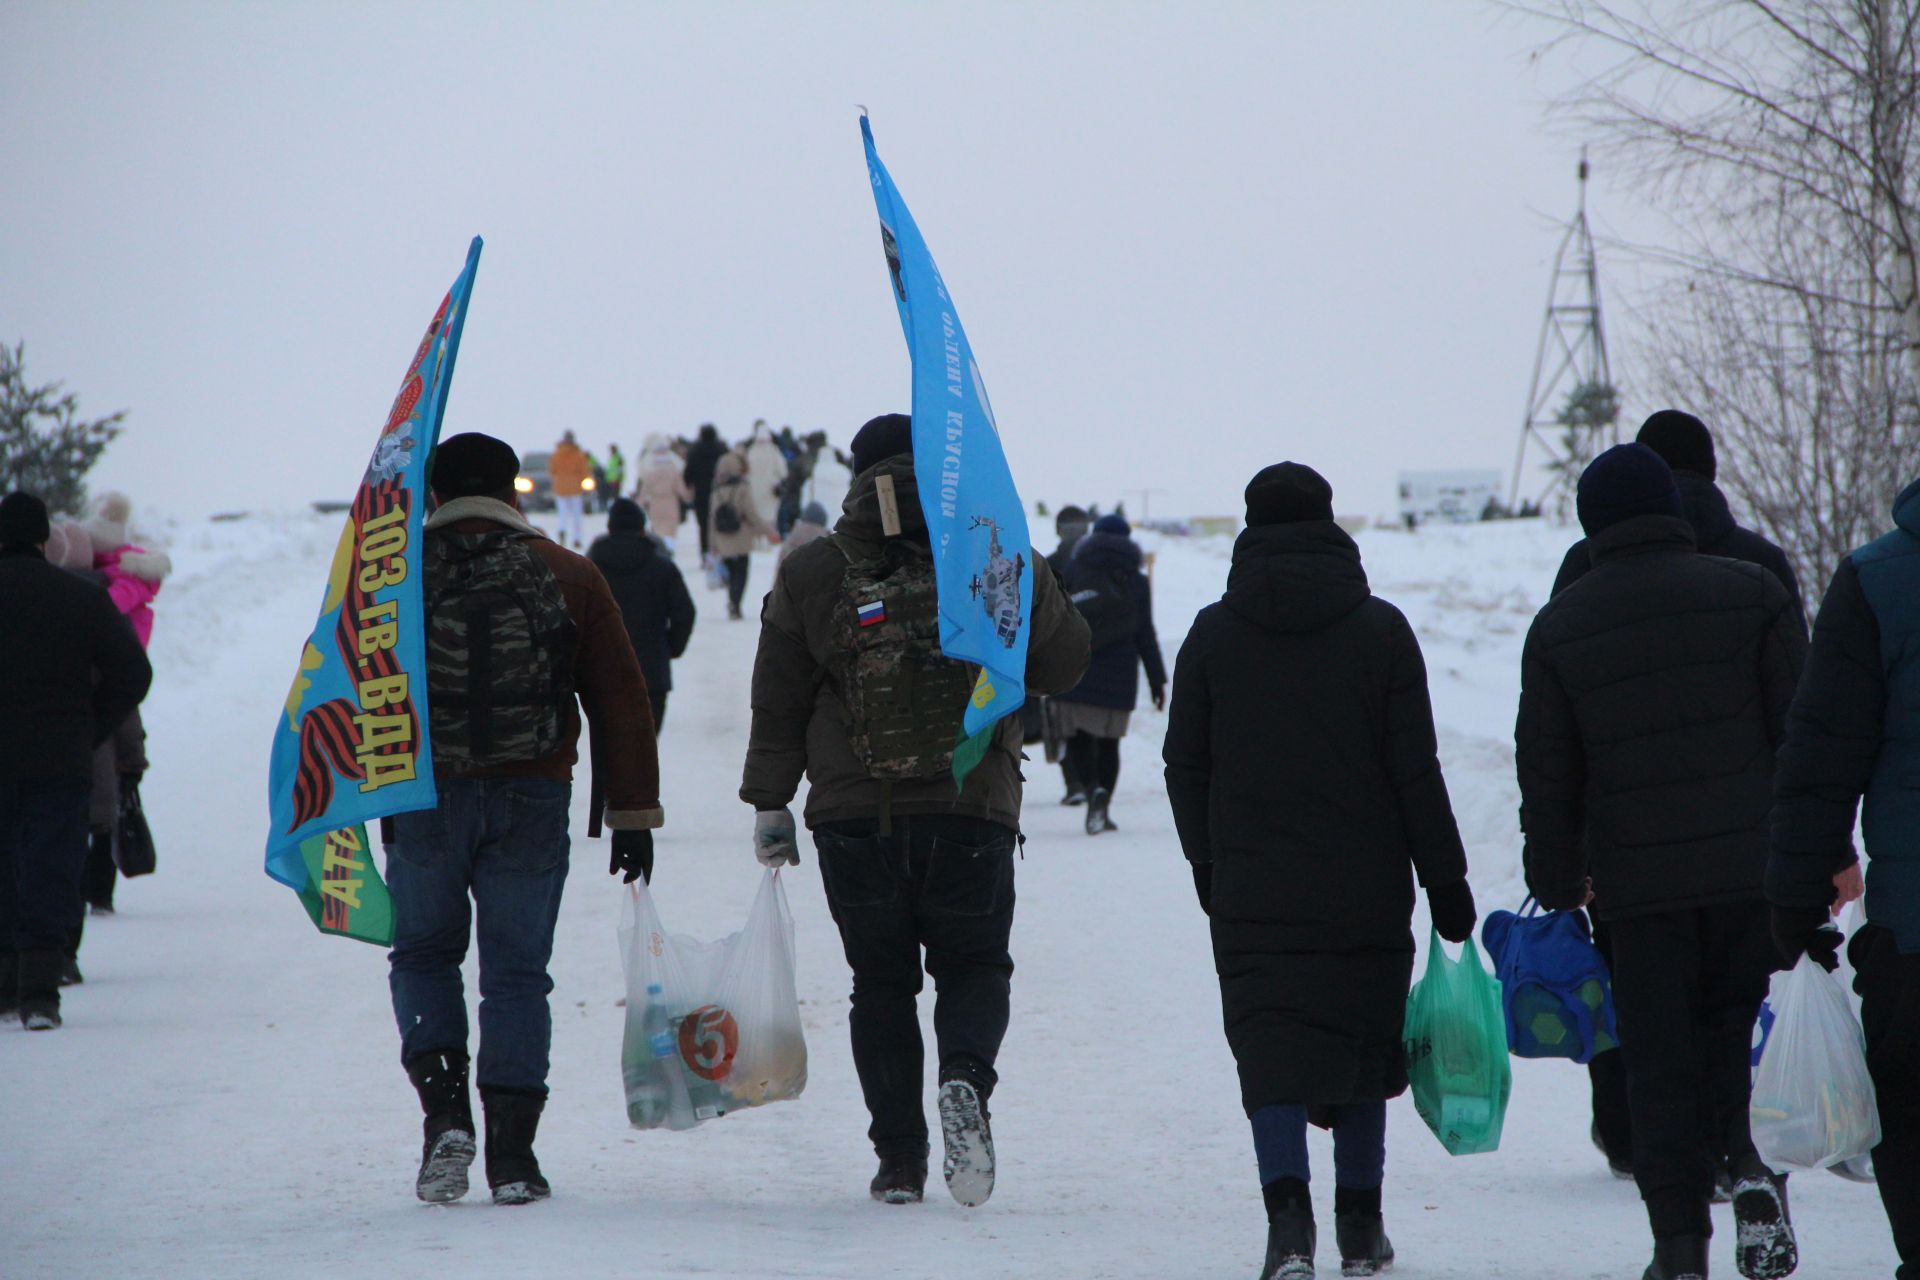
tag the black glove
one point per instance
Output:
(1565, 897)
(1203, 884)
(1452, 909)
(1796, 932)
(633, 854)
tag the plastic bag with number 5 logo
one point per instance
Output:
(712, 1027)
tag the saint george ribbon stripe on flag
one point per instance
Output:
(982, 555)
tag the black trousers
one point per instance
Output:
(1889, 987)
(703, 508)
(737, 567)
(1687, 986)
(1607, 1075)
(43, 848)
(1095, 762)
(940, 882)
(657, 698)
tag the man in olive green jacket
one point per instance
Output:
(908, 862)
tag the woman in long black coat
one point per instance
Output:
(1306, 788)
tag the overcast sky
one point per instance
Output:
(1186, 240)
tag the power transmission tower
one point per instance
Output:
(1571, 410)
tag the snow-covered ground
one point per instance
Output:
(226, 1099)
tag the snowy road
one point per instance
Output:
(226, 1099)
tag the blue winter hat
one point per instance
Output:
(1113, 523)
(814, 513)
(1627, 480)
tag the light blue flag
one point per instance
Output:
(981, 552)
(351, 744)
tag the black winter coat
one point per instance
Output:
(1653, 696)
(653, 601)
(70, 669)
(1113, 676)
(1301, 763)
(1715, 533)
(702, 457)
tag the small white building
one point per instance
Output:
(1447, 497)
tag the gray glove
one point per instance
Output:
(773, 838)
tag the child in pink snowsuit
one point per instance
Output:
(133, 573)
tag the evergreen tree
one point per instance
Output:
(46, 447)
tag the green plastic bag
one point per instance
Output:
(1456, 1038)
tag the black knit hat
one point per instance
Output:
(1627, 480)
(23, 522)
(625, 516)
(1287, 492)
(473, 465)
(1682, 439)
(880, 439)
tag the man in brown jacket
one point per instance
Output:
(517, 627)
(908, 862)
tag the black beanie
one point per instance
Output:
(1682, 439)
(625, 516)
(880, 439)
(473, 465)
(1287, 492)
(1627, 480)
(23, 522)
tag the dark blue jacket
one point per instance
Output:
(1113, 675)
(653, 601)
(1715, 533)
(1853, 732)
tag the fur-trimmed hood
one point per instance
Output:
(480, 508)
(107, 526)
(148, 566)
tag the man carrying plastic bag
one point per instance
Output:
(1854, 733)
(712, 1027)
(1653, 696)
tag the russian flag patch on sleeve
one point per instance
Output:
(873, 613)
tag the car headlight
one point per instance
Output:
(588, 483)
(522, 485)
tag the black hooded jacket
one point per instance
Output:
(1301, 763)
(1653, 697)
(653, 601)
(70, 669)
(1112, 678)
(1715, 533)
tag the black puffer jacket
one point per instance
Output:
(1715, 533)
(1653, 696)
(1301, 763)
(653, 601)
(1113, 676)
(70, 669)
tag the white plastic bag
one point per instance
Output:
(712, 1027)
(1860, 1168)
(1812, 1100)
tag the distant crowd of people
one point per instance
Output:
(1688, 766)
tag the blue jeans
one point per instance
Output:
(1359, 1144)
(43, 847)
(504, 842)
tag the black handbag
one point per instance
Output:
(132, 838)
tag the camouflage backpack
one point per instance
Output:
(499, 650)
(904, 698)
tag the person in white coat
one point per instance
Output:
(766, 473)
(663, 490)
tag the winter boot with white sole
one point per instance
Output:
(968, 1165)
(448, 1150)
(513, 1118)
(1766, 1248)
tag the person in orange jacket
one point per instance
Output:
(571, 473)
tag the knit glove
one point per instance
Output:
(1797, 932)
(633, 854)
(1452, 908)
(774, 841)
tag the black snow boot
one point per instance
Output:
(448, 1149)
(40, 989)
(1291, 1235)
(1360, 1232)
(1678, 1258)
(1097, 819)
(513, 1117)
(902, 1179)
(1765, 1248)
(969, 1162)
